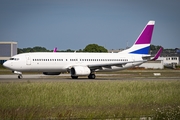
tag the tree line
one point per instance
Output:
(88, 48)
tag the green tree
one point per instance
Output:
(80, 50)
(34, 49)
(69, 50)
(94, 48)
(155, 47)
(39, 49)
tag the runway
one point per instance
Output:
(67, 77)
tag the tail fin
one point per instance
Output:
(142, 44)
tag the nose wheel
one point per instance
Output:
(20, 76)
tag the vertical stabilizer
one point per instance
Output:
(142, 44)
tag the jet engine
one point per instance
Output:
(80, 70)
(51, 73)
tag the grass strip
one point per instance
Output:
(87, 99)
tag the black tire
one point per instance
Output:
(92, 76)
(20, 76)
(74, 77)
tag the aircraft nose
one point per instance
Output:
(6, 64)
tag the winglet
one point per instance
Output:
(55, 49)
(157, 54)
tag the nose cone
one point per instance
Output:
(6, 64)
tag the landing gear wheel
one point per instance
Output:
(74, 77)
(20, 76)
(92, 76)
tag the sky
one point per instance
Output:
(73, 24)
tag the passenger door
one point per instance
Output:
(28, 60)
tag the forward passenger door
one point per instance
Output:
(28, 60)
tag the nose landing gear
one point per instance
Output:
(19, 74)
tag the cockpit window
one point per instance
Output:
(14, 58)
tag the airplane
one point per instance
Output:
(84, 64)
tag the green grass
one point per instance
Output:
(87, 99)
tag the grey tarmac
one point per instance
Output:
(66, 77)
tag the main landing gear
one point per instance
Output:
(90, 76)
(74, 77)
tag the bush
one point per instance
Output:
(167, 113)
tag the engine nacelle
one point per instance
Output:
(80, 70)
(51, 73)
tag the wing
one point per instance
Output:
(109, 65)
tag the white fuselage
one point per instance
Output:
(61, 62)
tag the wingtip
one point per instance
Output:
(158, 54)
(55, 49)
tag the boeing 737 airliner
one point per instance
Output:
(84, 64)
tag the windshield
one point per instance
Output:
(14, 59)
